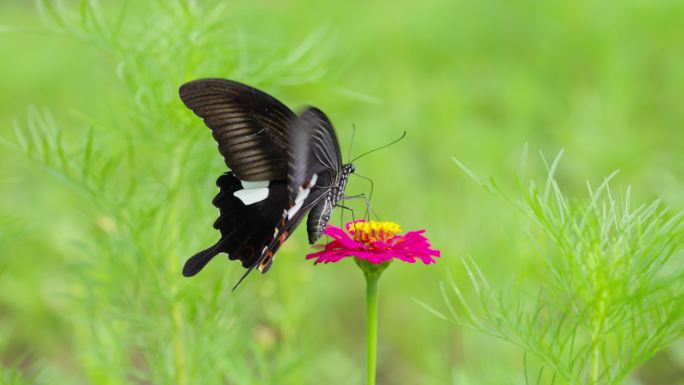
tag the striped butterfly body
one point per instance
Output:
(282, 166)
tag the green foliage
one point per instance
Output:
(140, 177)
(106, 184)
(10, 376)
(611, 294)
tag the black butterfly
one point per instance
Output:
(282, 167)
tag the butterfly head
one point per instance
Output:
(348, 169)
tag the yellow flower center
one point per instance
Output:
(373, 231)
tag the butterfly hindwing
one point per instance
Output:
(249, 212)
(284, 228)
(290, 220)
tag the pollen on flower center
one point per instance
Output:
(373, 231)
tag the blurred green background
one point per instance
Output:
(90, 284)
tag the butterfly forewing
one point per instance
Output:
(310, 137)
(251, 127)
(315, 151)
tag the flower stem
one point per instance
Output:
(372, 323)
(372, 273)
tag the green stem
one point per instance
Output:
(596, 348)
(372, 323)
(178, 348)
(372, 273)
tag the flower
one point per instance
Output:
(376, 242)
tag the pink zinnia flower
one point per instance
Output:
(375, 242)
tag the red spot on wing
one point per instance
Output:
(266, 262)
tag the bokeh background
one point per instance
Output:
(90, 256)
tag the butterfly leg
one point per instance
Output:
(350, 210)
(369, 198)
(366, 199)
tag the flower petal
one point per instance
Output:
(408, 247)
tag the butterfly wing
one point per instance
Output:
(286, 225)
(317, 153)
(314, 161)
(248, 215)
(313, 150)
(250, 126)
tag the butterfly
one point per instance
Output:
(282, 166)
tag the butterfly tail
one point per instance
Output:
(197, 262)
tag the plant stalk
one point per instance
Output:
(372, 323)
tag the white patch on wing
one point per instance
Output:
(259, 183)
(314, 178)
(301, 197)
(252, 192)
(299, 201)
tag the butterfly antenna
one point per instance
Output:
(352, 140)
(380, 148)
